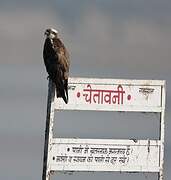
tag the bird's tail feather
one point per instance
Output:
(64, 97)
(66, 87)
(60, 92)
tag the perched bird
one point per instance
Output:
(56, 59)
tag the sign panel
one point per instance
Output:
(62, 154)
(112, 95)
(104, 155)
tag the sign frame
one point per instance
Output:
(144, 86)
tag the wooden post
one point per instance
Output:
(48, 130)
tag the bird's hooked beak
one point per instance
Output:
(46, 33)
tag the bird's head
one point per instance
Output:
(51, 33)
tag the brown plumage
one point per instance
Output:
(56, 59)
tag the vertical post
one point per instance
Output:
(48, 130)
(162, 129)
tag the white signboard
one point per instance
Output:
(112, 95)
(104, 155)
(62, 154)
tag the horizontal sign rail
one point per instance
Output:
(104, 155)
(113, 95)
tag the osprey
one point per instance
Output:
(56, 59)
